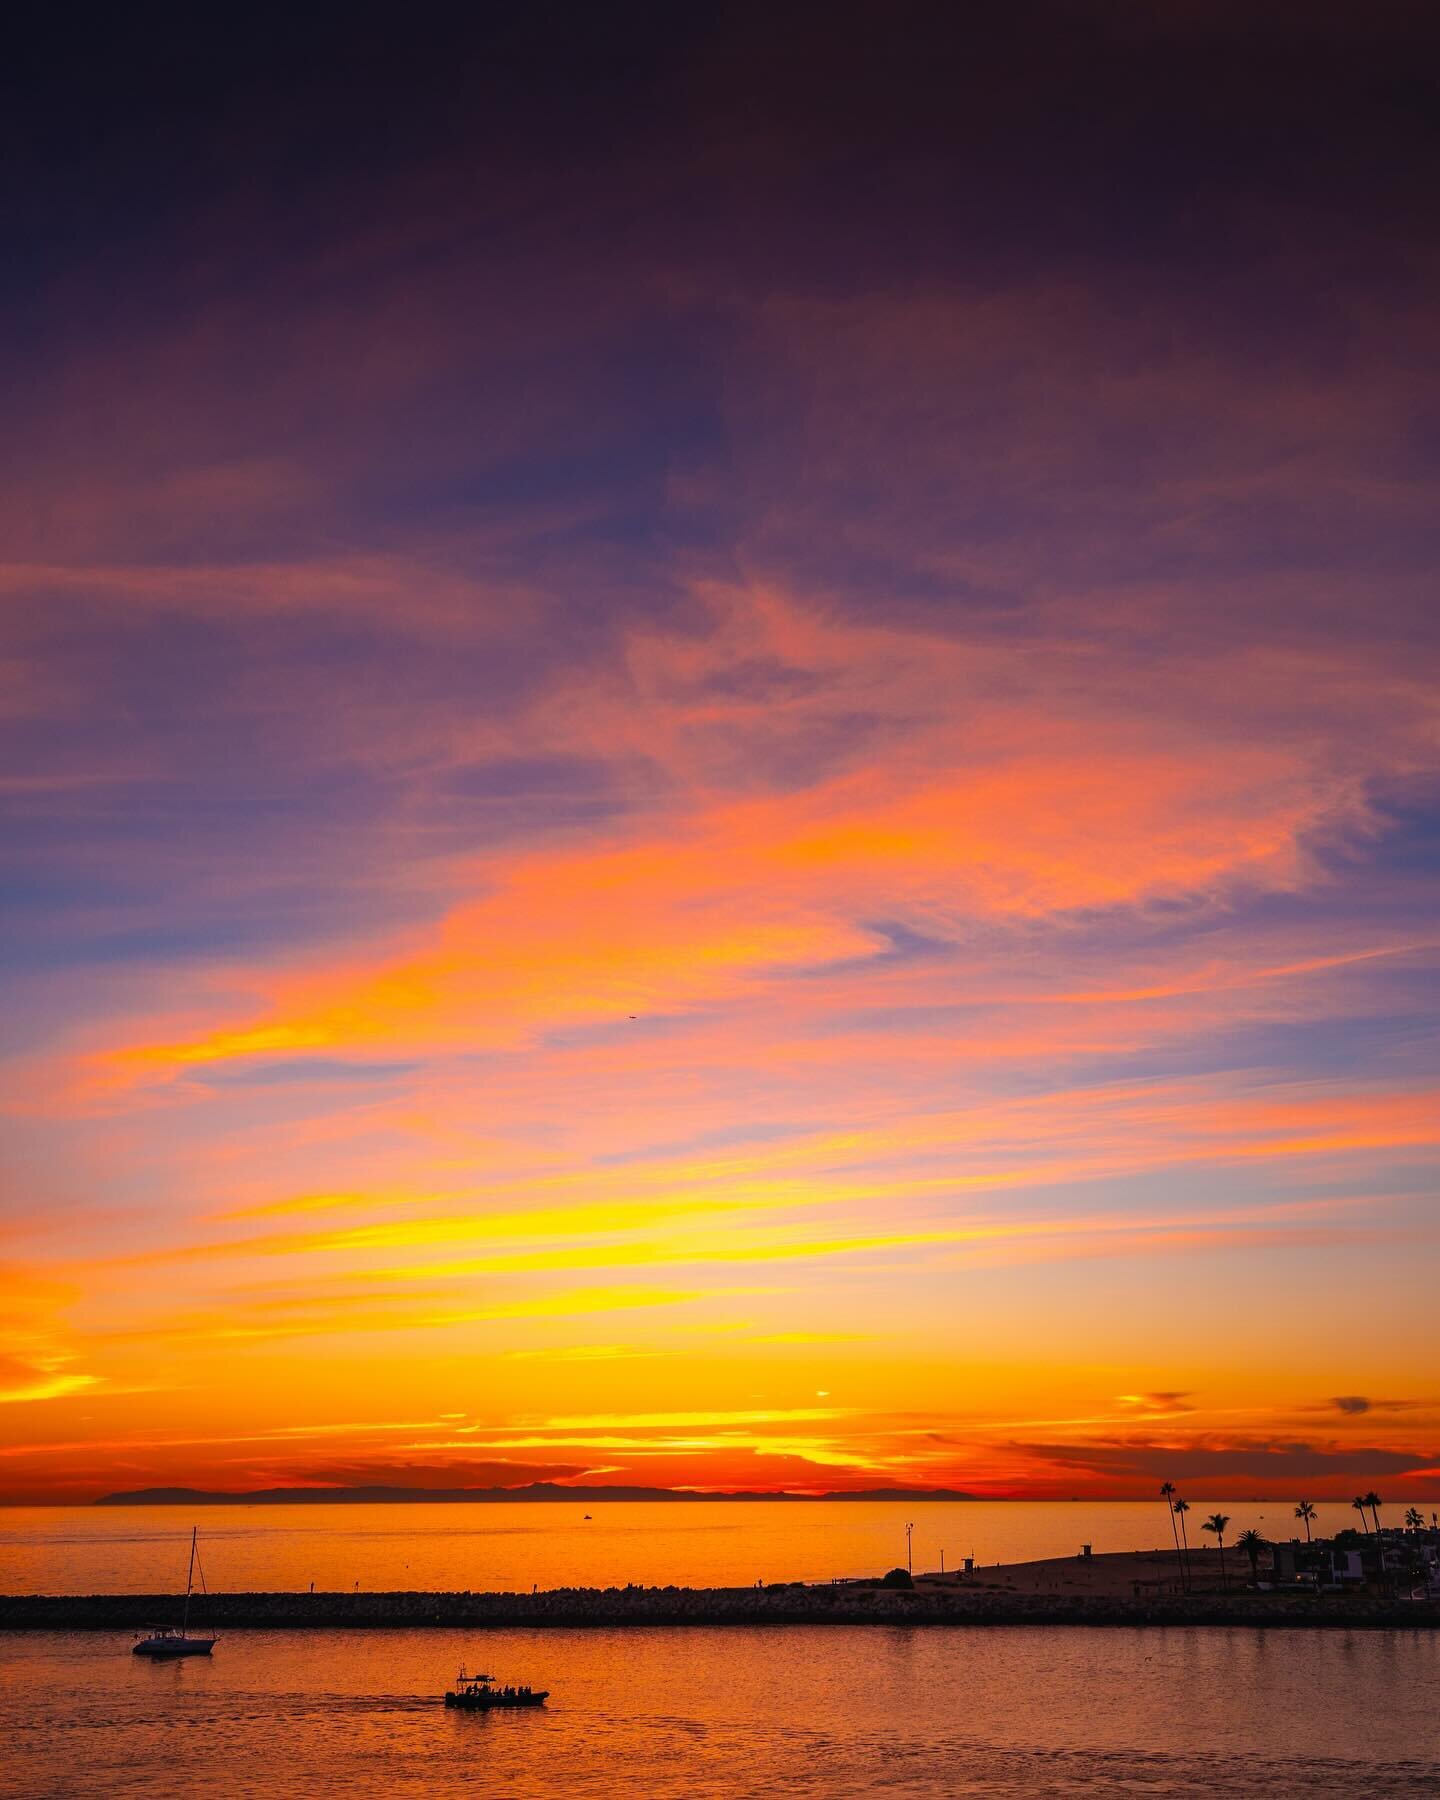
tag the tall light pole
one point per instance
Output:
(909, 1559)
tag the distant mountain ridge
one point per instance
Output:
(535, 1490)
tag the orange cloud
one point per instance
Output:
(617, 825)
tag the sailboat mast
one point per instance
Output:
(189, 1581)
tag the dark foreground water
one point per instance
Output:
(796, 1711)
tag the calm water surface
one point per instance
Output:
(800, 1711)
(80, 1550)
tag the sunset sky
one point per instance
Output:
(720, 757)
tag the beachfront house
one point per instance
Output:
(1407, 1561)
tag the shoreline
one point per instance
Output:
(639, 1607)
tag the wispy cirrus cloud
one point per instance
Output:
(572, 748)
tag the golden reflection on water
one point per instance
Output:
(806, 1710)
(514, 1546)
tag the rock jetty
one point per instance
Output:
(840, 1603)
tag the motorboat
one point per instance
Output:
(479, 1693)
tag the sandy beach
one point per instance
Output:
(1121, 1575)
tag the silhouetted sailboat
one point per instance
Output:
(164, 1642)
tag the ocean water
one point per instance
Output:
(818, 1711)
(84, 1550)
(803, 1711)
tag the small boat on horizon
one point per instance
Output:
(163, 1643)
(478, 1693)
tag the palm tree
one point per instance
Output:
(1374, 1502)
(1252, 1544)
(1167, 1494)
(1414, 1518)
(1306, 1512)
(1219, 1523)
(1359, 1503)
(1180, 1508)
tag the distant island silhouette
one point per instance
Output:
(535, 1490)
